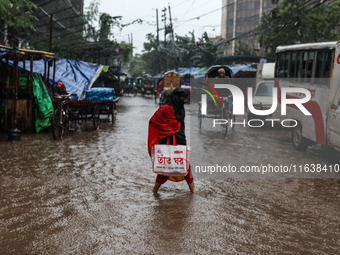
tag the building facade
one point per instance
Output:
(240, 18)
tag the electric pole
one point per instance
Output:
(157, 39)
(164, 19)
(171, 30)
(157, 28)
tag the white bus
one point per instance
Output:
(316, 67)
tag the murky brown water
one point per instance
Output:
(91, 194)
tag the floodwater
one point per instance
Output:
(90, 193)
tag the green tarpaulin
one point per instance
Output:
(44, 107)
(105, 69)
(200, 72)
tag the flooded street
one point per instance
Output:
(91, 193)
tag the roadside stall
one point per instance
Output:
(25, 104)
(90, 93)
(35, 88)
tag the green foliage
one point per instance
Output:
(99, 45)
(207, 51)
(295, 22)
(4, 7)
(139, 21)
(184, 51)
(137, 66)
(91, 16)
(82, 40)
(106, 22)
(242, 49)
(16, 17)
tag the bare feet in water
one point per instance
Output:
(157, 186)
(192, 187)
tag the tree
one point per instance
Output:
(16, 17)
(136, 66)
(242, 49)
(298, 21)
(184, 51)
(207, 51)
(106, 22)
(151, 59)
(87, 37)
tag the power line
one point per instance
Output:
(198, 17)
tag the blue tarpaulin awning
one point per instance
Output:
(240, 70)
(77, 76)
(3, 54)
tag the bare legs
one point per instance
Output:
(157, 186)
(192, 187)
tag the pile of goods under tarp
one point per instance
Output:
(100, 94)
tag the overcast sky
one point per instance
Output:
(184, 15)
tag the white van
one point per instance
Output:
(263, 92)
(315, 67)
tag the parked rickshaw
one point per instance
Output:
(218, 101)
(129, 86)
(139, 84)
(147, 85)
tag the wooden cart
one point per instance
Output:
(68, 111)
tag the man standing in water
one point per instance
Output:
(167, 121)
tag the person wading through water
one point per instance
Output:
(167, 121)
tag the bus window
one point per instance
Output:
(304, 64)
(277, 64)
(286, 61)
(309, 67)
(292, 66)
(323, 64)
(298, 65)
(319, 64)
(282, 68)
(328, 64)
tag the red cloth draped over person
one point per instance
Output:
(162, 124)
(167, 121)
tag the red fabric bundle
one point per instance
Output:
(162, 124)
